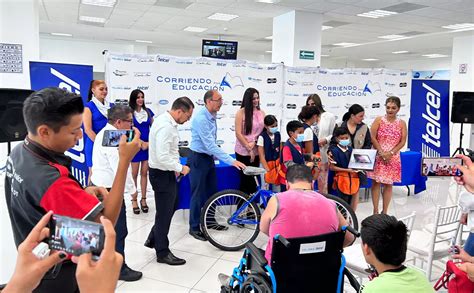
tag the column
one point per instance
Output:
(463, 53)
(297, 38)
(19, 24)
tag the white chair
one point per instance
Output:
(429, 246)
(355, 260)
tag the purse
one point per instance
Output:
(455, 280)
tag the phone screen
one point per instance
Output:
(440, 167)
(112, 137)
(76, 236)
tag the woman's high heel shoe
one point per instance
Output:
(136, 210)
(143, 205)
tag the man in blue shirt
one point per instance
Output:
(203, 177)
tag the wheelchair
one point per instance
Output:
(306, 264)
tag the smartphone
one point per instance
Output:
(112, 137)
(76, 236)
(440, 166)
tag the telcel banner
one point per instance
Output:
(76, 79)
(429, 117)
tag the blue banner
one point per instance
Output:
(428, 131)
(76, 79)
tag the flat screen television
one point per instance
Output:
(219, 49)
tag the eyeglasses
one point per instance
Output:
(129, 121)
(218, 100)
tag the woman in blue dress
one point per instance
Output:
(95, 116)
(142, 119)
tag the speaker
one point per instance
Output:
(12, 125)
(462, 110)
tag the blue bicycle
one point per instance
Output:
(230, 218)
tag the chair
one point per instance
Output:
(355, 260)
(429, 246)
(298, 265)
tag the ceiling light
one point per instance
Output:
(325, 27)
(377, 13)
(92, 19)
(268, 51)
(266, 1)
(222, 16)
(391, 37)
(103, 3)
(195, 29)
(370, 59)
(61, 34)
(345, 44)
(399, 52)
(435, 55)
(143, 41)
(323, 55)
(269, 38)
(459, 26)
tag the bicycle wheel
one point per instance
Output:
(229, 220)
(345, 210)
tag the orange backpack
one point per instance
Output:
(347, 183)
(273, 176)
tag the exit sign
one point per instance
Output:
(307, 55)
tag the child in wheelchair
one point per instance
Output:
(291, 215)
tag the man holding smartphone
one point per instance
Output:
(38, 179)
(104, 168)
(164, 167)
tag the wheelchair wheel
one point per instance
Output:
(223, 227)
(256, 284)
(345, 210)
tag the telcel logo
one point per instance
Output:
(433, 126)
(143, 88)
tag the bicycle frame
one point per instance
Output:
(261, 195)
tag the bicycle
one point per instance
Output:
(230, 218)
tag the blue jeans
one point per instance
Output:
(203, 181)
(469, 245)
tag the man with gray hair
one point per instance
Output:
(104, 167)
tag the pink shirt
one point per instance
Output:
(257, 128)
(302, 213)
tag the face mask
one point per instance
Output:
(315, 124)
(273, 129)
(300, 137)
(345, 142)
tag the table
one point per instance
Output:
(228, 177)
(411, 172)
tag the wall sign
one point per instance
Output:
(11, 58)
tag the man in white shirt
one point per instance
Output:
(164, 167)
(105, 163)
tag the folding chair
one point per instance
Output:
(429, 246)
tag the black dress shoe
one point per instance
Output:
(218, 227)
(171, 260)
(148, 243)
(198, 235)
(129, 275)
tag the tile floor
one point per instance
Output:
(204, 261)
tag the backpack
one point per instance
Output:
(346, 182)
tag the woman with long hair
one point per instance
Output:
(248, 126)
(142, 119)
(95, 116)
(324, 129)
(389, 135)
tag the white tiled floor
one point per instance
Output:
(204, 261)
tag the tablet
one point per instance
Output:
(362, 159)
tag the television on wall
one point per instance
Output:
(219, 49)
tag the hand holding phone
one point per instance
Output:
(100, 276)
